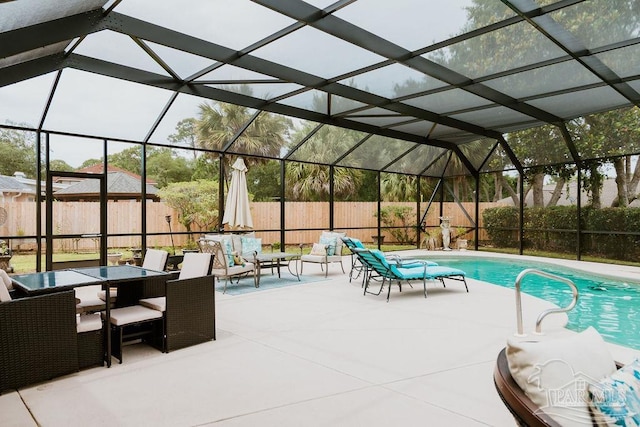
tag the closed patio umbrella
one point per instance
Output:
(236, 211)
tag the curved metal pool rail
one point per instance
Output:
(542, 315)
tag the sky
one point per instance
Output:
(90, 104)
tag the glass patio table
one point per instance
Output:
(277, 260)
(52, 281)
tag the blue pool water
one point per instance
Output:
(612, 306)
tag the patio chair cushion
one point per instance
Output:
(92, 298)
(560, 367)
(89, 322)
(133, 314)
(195, 265)
(615, 400)
(157, 303)
(155, 259)
(318, 249)
(236, 269)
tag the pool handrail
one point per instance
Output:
(541, 316)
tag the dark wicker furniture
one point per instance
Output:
(38, 339)
(91, 349)
(190, 315)
(133, 283)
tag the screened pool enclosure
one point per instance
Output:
(517, 120)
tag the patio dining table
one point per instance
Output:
(52, 281)
(132, 282)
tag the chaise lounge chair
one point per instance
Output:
(357, 267)
(377, 264)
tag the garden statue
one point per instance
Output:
(446, 233)
(5, 257)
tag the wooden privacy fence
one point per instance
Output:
(124, 217)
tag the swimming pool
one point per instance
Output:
(612, 306)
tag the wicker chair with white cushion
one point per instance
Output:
(90, 340)
(189, 305)
(327, 250)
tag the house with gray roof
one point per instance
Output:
(120, 186)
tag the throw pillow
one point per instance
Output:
(615, 400)
(555, 373)
(318, 249)
(338, 235)
(251, 245)
(329, 242)
(228, 251)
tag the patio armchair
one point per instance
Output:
(327, 250)
(188, 306)
(379, 266)
(224, 262)
(38, 338)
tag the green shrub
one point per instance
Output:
(606, 233)
(502, 226)
(398, 220)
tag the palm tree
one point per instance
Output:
(307, 181)
(397, 187)
(218, 123)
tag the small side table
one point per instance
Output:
(277, 260)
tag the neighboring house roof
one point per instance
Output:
(10, 184)
(98, 169)
(569, 195)
(120, 185)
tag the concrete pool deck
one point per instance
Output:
(317, 354)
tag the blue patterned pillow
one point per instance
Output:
(330, 242)
(251, 245)
(228, 250)
(615, 400)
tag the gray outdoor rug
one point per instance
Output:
(267, 281)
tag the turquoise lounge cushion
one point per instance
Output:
(430, 272)
(356, 242)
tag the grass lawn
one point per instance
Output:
(26, 263)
